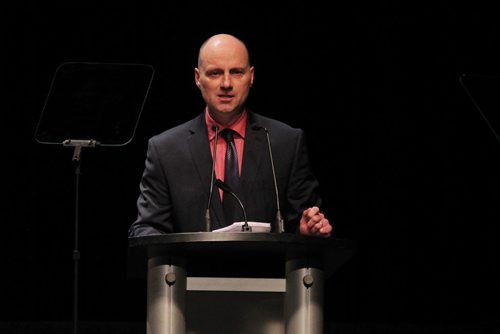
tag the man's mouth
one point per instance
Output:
(225, 98)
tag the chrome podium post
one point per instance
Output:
(303, 297)
(166, 296)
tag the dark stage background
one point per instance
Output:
(409, 170)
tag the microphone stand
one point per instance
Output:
(220, 184)
(280, 224)
(208, 219)
(77, 144)
(279, 217)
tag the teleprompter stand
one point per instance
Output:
(208, 282)
(89, 105)
(483, 91)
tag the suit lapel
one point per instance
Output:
(254, 151)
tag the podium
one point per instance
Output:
(285, 272)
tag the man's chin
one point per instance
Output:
(227, 110)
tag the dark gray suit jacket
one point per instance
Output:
(176, 180)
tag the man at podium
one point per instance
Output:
(229, 163)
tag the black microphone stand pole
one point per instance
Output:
(77, 144)
(208, 219)
(220, 184)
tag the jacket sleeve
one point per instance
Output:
(302, 188)
(154, 208)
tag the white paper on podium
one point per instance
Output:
(256, 227)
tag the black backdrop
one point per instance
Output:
(408, 168)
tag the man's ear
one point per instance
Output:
(197, 77)
(252, 71)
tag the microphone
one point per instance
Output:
(279, 218)
(208, 220)
(225, 188)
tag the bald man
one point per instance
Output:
(175, 185)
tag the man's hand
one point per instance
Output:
(314, 223)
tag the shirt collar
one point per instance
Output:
(239, 126)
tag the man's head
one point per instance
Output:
(224, 76)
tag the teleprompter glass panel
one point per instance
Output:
(484, 91)
(101, 102)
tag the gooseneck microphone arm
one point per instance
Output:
(279, 218)
(225, 188)
(208, 220)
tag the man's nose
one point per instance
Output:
(226, 81)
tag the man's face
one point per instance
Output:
(224, 77)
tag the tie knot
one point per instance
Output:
(228, 135)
